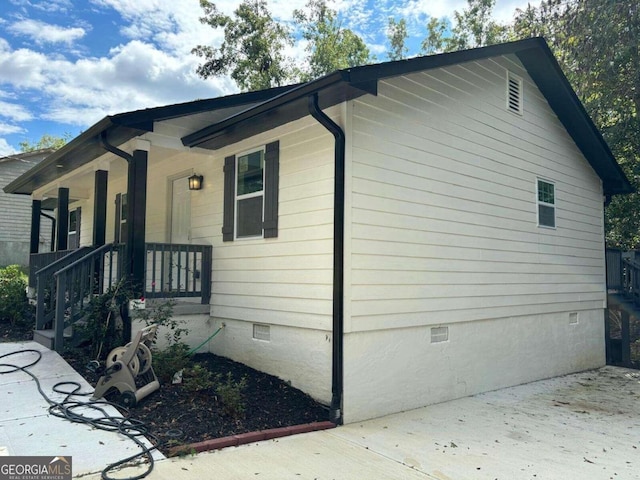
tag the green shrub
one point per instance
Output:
(197, 378)
(170, 360)
(230, 393)
(13, 295)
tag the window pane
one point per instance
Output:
(123, 208)
(546, 192)
(250, 217)
(73, 221)
(250, 168)
(546, 216)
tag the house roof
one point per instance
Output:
(243, 115)
(123, 127)
(25, 156)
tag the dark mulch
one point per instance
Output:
(177, 416)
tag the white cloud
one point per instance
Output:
(7, 129)
(502, 12)
(6, 149)
(42, 33)
(14, 112)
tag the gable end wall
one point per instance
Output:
(444, 232)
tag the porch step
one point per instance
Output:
(47, 337)
(44, 337)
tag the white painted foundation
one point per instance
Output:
(388, 371)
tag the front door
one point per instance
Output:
(179, 233)
(180, 211)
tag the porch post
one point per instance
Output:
(36, 209)
(100, 208)
(136, 213)
(62, 219)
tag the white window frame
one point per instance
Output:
(546, 204)
(237, 198)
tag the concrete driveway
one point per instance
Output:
(584, 426)
(580, 426)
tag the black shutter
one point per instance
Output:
(271, 175)
(229, 198)
(116, 234)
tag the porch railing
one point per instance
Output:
(38, 261)
(45, 282)
(178, 270)
(66, 286)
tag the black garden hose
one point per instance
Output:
(68, 409)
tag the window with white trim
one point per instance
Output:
(249, 194)
(546, 204)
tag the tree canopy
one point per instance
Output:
(46, 141)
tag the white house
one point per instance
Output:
(384, 237)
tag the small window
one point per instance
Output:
(249, 194)
(546, 204)
(514, 94)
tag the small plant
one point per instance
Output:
(230, 393)
(13, 295)
(197, 378)
(170, 360)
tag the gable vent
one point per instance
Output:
(514, 93)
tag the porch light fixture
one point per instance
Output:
(195, 182)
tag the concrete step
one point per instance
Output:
(47, 337)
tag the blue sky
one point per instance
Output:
(65, 64)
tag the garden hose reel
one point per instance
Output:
(129, 370)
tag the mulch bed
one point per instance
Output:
(176, 416)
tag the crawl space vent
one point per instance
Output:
(439, 334)
(573, 318)
(514, 93)
(261, 332)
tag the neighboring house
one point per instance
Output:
(15, 212)
(384, 237)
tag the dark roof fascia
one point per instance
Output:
(299, 91)
(150, 115)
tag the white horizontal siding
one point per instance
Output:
(443, 204)
(285, 280)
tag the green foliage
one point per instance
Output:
(46, 141)
(169, 361)
(252, 52)
(470, 28)
(197, 378)
(13, 296)
(330, 47)
(230, 393)
(102, 330)
(397, 35)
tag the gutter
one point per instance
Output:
(338, 258)
(115, 150)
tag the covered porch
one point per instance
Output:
(103, 241)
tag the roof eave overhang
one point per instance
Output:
(289, 106)
(81, 150)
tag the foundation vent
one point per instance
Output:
(514, 94)
(439, 334)
(261, 332)
(573, 318)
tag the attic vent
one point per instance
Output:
(514, 93)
